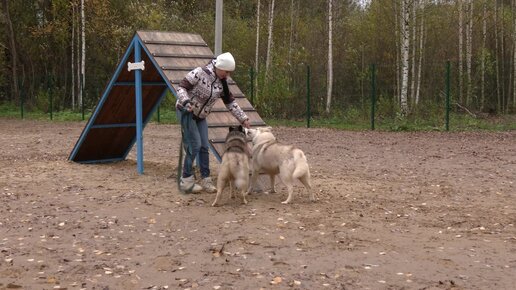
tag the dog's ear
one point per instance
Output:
(231, 128)
(240, 128)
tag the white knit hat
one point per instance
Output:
(225, 62)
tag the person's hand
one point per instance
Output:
(186, 108)
(246, 124)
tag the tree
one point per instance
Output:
(72, 62)
(469, 48)
(483, 56)
(269, 40)
(83, 55)
(421, 48)
(461, 48)
(498, 86)
(256, 63)
(514, 54)
(13, 52)
(405, 47)
(330, 59)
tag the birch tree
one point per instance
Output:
(72, 62)
(405, 50)
(398, 38)
(83, 55)
(497, 67)
(421, 47)
(12, 50)
(502, 56)
(291, 33)
(461, 48)
(469, 49)
(483, 56)
(269, 40)
(414, 51)
(256, 63)
(514, 54)
(330, 58)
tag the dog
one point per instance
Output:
(234, 168)
(273, 158)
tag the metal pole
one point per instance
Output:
(251, 73)
(448, 96)
(138, 93)
(373, 94)
(49, 90)
(308, 108)
(218, 27)
(22, 100)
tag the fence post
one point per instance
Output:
(373, 94)
(83, 97)
(49, 91)
(448, 96)
(308, 106)
(22, 93)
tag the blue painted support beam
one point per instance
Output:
(139, 105)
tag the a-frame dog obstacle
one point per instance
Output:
(153, 63)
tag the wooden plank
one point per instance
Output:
(182, 62)
(150, 35)
(105, 143)
(178, 43)
(155, 49)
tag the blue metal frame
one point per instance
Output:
(138, 93)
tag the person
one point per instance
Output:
(196, 95)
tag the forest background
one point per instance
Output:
(58, 55)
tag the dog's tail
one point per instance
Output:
(301, 164)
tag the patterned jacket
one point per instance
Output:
(201, 88)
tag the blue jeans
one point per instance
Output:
(195, 143)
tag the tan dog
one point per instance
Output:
(235, 164)
(274, 158)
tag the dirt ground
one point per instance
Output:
(426, 210)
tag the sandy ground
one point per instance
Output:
(426, 210)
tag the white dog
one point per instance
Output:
(273, 158)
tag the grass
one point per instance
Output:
(458, 122)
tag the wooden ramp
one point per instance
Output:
(131, 97)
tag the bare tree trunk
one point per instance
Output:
(405, 47)
(461, 65)
(502, 54)
(414, 52)
(514, 55)
(269, 41)
(469, 48)
(398, 40)
(291, 33)
(330, 57)
(14, 55)
(421, 47)
(483, 57)
(497, 61)
(73, 55)
(256, 63)
(83, 54)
